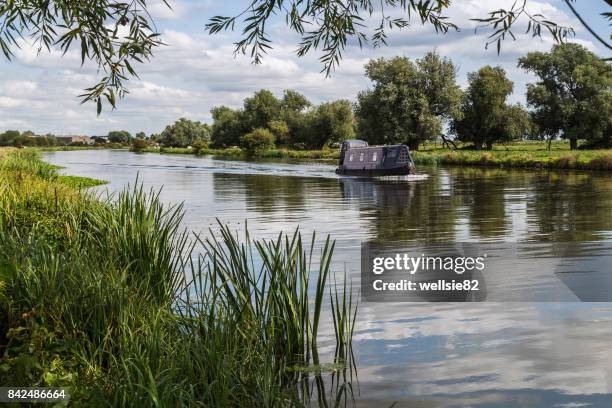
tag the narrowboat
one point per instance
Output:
(359, 159)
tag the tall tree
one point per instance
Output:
(294, 101)
(485, 116)
(260, 109)
(409, 102)
(228, 126)
(573, 97)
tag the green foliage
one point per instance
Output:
(526, 154)
(501, 21)
(292, 120)
(17, 139)
(327, 123)
(409, 101)
(485, 117)
(199, 146)
(258, 140)
(79, 181)
(294, 101)
(114, 35)
(261, 109)
(573, 97)
(281, 132)
(323, 25)
(119, 136)
(139, 145)
(183, 133)
(110, 299)
(228, 126)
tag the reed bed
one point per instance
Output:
(115, 300)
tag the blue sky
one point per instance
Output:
(196, 71)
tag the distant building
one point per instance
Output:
(86, 140)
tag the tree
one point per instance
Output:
(260, 109)
(8, 138)
(184, 132)
(141, 135)
(327, 123)
(228, 126)
(485, 117)
(294, 101)
(573, 97)
(119, 136)
(438, 82)
(409, 101)
(257, 141)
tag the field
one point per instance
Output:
(114, 300)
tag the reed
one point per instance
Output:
(114, 299)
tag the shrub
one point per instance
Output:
(138, 145)
(198, 146)
(257, 141)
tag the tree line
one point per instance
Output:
(27, 138)
(413, 102)
(410, 102)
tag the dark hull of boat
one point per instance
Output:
(394, 171)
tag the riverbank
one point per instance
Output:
(534, 155)
(98, 296)
(516, 155)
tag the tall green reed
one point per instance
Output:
(114, 299)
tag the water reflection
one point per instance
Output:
(486, 354)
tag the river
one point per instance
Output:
(486, 354)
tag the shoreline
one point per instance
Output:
(526, 155)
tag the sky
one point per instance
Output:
(195, 71)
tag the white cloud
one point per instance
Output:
(195, 72)
(8, 102)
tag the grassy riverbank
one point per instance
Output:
(515, 155)
(114, 300)
(535, 155)
(518, 155)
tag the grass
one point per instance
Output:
(518, 155)
(79, 181)
(527, 154)
(113, 299)
(25, 162)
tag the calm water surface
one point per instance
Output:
(417, 354)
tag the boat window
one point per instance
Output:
(374, 156)
(392, 153)
(361, 156)
(351, 157)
